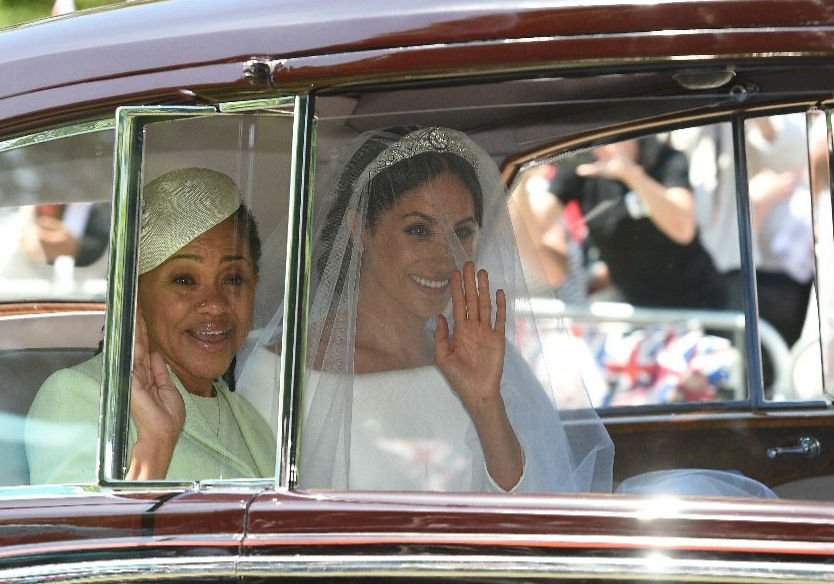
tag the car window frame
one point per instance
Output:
(32, 139)
(118, 337)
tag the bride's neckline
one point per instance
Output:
(409, 370)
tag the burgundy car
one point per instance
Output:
(92, 104)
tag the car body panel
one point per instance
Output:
(307, 53)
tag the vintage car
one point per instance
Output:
(94, 104)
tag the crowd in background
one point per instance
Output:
(653, 222)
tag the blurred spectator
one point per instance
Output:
(551, 254)
(780, 212)
(780, 207)
(78, 230)
(639, 213)
(63, 7)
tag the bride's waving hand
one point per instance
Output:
(472, 356)
(472, 360)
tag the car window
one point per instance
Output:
(615, 240)
(645, 291)
(232, 439)
(656, 286)
(56, 218)
(212, 248)
(55, 191)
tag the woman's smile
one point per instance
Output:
(211, 338)
(432, 284)
(198, 304)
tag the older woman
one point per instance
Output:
(198, 265)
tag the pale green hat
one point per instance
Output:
(178, 207)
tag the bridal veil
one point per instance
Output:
(566, 447)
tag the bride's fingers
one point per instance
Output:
(470, 292)
(458, 301)
(441, 336)
(500, 312)
(484, 298)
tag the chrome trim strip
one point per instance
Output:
(267, 103)
(156, 569)
(121, 286)
(57, 134)
(296, 283)
(755, 382)
(651, 567)
(829, 139)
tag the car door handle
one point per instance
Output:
(808, 446)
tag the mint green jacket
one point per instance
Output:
(62, 433)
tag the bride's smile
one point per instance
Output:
(433, 284)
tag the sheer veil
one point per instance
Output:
(566, 447)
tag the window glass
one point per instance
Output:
(54, 227)
(664, 312)
(56, 219)
(796, 266)
(807, 355)
(212, 254)
(624, 282)
(211, 278)
(397, 371)
(783, 250)
(637, 244)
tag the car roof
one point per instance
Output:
(171, 34)
(185, 52)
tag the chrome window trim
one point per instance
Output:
(296, 287)
(121, 292)
(252, 105)
(755, 381)
(649, 567)
(57, 133)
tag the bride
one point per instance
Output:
(421, 339)
(417, 377)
